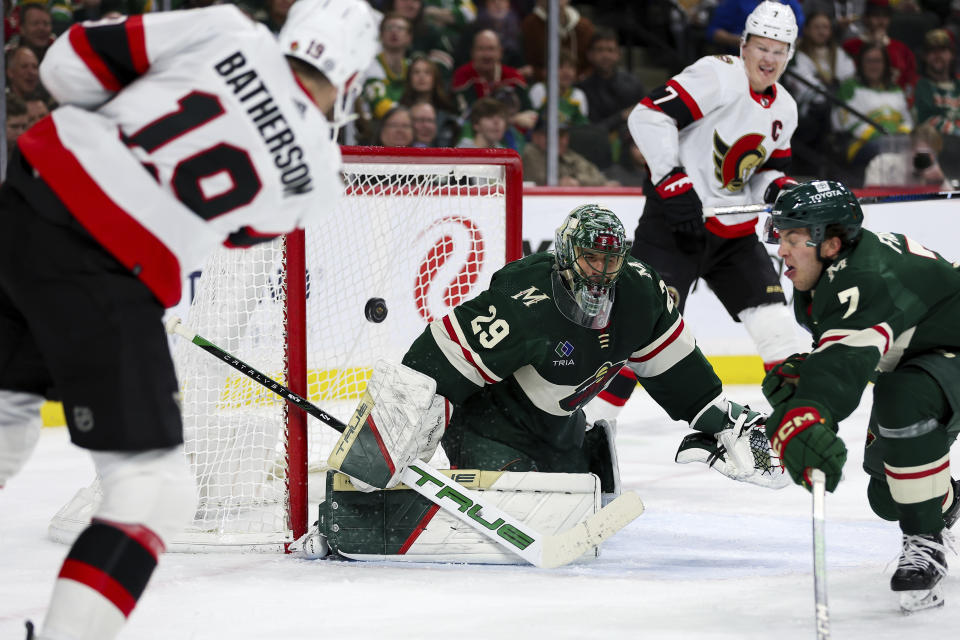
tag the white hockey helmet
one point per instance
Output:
(338, 37)
(772, 20)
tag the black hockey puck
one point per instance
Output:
(375, 310)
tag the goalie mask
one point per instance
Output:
(816, 205)
(591, 251)
(339, 38)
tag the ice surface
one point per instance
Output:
(710, 558)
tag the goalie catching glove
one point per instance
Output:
(731, 440)
(399, 420)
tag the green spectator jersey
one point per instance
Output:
(383, 88)
(938, 103)
(518, 371)
(886, 300)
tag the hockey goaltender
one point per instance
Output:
(502, 382)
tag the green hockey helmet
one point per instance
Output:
(815, 205)
(591, 251)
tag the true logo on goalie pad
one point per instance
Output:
(508, 532)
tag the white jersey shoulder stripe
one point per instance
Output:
(674, 345)
(454, 344)
(879, 336)
(545, 395)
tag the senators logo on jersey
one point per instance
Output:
(590, 387)
(734, 163)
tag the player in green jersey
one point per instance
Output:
(518, 363)
(880, 307)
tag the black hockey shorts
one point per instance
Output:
(738, 270)
(76, 325)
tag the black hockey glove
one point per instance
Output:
(775, 187)
(682, 209)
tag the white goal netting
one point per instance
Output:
(420, 232)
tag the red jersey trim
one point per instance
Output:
(467, 355)
(878, 328)
(663, 345)
(688, 100)
(764, 100)
(116, 230)
(917, 474)
(137, 43)
(740, 230)
(80, 44)
(782, 153)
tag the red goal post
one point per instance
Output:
(503, 160)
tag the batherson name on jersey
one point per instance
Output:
(160, 172)
(269, 120)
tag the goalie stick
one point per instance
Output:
(736, 209)
(818, 489)
(540, 550)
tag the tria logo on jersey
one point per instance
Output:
(564, 349)
(734, 163)
(589, 388)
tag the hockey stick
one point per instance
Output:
(818, 481)
(545, 551)
(735, 209)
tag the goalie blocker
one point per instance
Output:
(400, 525)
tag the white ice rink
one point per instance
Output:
(710, 558)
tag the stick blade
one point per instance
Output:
(566, 546)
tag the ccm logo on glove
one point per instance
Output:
(794, 421)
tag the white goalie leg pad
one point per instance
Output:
(19, 430)
(151, 488)
(547, 502)
(774, 332)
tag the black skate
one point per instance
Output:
(922, 565)
(951, 515)
(29, 630)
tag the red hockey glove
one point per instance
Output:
(805, 438)
(682, 208)
(775, 187)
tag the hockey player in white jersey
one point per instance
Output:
(718, 133)
(179, 132)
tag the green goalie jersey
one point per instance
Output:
(886, 300)
(518, 371)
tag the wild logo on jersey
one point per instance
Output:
(590, 387)
(734, 164)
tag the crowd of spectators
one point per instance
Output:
(875, 80)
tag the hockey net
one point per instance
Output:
(420, 230)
